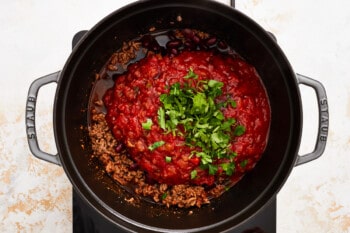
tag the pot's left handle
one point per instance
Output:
(30, 118)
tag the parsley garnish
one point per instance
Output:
(164, 195)
(161, 118)
(191, 74)
(156, 145)
(147, 125)
(193, 174)
(244, 163)
(228, 168)
(167, 159)
(192, 110)
(239, 130)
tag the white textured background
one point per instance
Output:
(36, 40)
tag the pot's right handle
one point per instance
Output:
(30, 118)
(323, 124)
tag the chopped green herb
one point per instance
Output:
(232, 103)
(228, 168)
(167, 159)
(227, 124)
(193, 174)
(243, 163)
(239, 130)
(212, 169)
(147, 125)
(216, 85)
(205, 158)
(156, 145)
(200, 103)
(191, 110)
(164, 195)
(161, 118)
(191, 74)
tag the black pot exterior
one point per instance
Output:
(251, 41)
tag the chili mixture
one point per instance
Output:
(181, 125)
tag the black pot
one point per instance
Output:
(241, 202)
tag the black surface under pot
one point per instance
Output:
(241, 202)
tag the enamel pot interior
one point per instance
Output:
(70, 116)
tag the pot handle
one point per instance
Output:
(323, 124)
(30, 118)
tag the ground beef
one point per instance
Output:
(121, 168)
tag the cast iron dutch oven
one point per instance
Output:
(256, 189)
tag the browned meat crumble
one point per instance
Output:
(122, 169)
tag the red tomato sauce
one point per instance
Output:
(135, 98)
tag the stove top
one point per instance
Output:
(87, 220)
